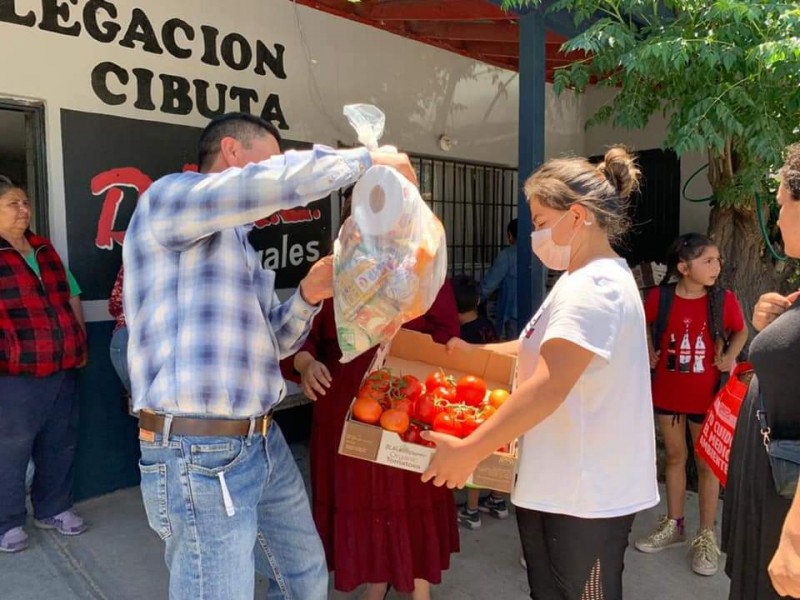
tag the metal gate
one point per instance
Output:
(475, 202)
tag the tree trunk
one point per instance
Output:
(748, 267)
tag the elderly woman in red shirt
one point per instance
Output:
(42, 344)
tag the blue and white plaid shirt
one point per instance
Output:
(206, 328)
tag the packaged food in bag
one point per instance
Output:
(390, 259)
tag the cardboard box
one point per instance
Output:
(412, 353)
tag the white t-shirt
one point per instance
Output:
(594, 457)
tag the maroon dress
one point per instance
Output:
(378, 524)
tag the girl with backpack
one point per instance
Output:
(695, 332)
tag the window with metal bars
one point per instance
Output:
(475, 202)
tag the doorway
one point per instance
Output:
(22, 154)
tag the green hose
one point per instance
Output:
(759, 212)
(764, 233)
(688, 181)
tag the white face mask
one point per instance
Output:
(552, 255)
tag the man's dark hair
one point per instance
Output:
(512, 229)
(240, 126)
(467, 292)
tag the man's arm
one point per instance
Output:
(189, 207)
(291, 320)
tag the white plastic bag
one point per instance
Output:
(390, 258)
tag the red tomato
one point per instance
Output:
(380, 380)
(445, 392)
(441, 406)
(395, 420)
(409, 387)
(412, 434)
(488, 411)
(367, 410)
(497, 397)
(437, 379)
(372, 393)
(471, 423)
(403, 404)
(425, 409)
(445, 423)
(470, 390)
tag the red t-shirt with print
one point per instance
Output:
(691, 389)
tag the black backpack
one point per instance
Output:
(715, 321)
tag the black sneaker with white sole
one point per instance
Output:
(496, 507)
(469, 519)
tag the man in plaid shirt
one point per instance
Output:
(219, 483)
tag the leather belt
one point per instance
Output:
(154, 423)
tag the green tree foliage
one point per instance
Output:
(726, 76)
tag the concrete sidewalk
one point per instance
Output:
(119, 558)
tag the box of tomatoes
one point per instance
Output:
(413, 385)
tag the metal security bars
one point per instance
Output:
(475, 202)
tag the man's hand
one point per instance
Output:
(771, 306)
(315, 379)
(398, 161)
(317, 285)
(453, 462)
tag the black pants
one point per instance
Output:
(571, 558)
(39, 419)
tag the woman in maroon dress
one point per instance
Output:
(379, 525)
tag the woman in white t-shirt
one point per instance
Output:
(582, 406)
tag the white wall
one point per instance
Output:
(329, 61)
(693, 216)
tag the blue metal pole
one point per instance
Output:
(531, 273)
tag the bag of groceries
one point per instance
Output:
(390, 257)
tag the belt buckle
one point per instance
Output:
(264, 425)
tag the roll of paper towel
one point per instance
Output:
(390, 260)
(381, 202)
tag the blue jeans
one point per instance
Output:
(226, 506)
(39, 420)
(119, 356)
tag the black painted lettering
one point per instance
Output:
(169, 41)
(176, 95)
(141, 30)
(273, 62)
(144, 89)
(100, 82)
(245, 96)
(53, 13)
(210, 45)
(272, 112)
(108, 30)
(203, 108)
(229, 52)
(8, 14)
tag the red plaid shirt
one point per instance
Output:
(39, 333)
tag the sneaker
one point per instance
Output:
(14, 540)
(705, 553)
(469, 519)
(496, 507)
(666, 534)
(66, 523)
